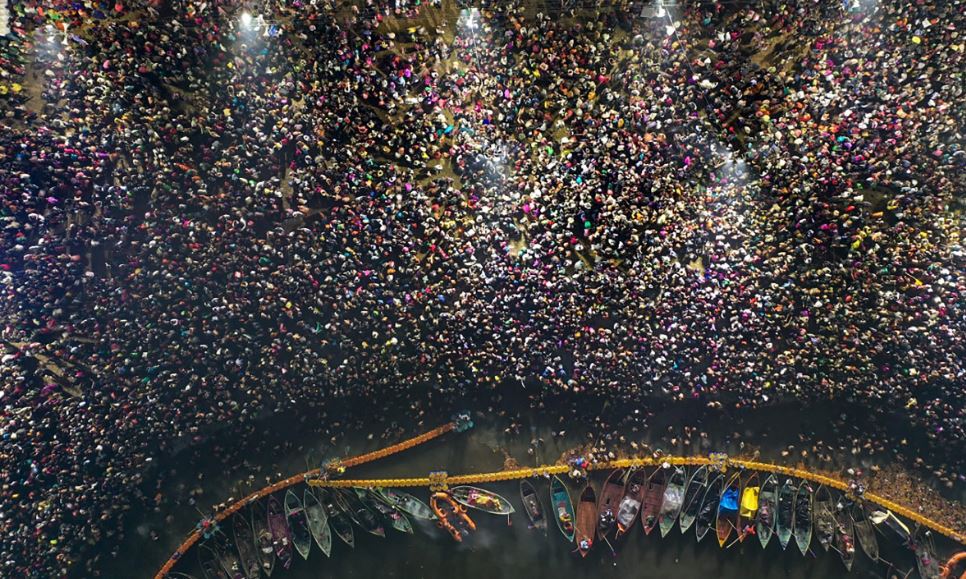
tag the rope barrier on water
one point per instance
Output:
(314, 478)
(298, 479)
(649, 461)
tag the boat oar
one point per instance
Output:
(612, 551)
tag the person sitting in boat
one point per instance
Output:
(565, 520)
(607, 517)
(584, 544)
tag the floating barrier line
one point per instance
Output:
(638, 462)
(298, 479)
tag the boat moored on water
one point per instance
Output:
(653, 499)
(390, 514)
(926, 561)
(767, 511)
(786, 513)
(532, 506)
(672, 501)
(726, 520)
(586, 528)
(748, 507)
(693, 495)
(298, 524)
(245, 544)
(823, 521)
(844, 534)
(802, 519)
(630, 505)
(610, 497)
(228, 557)
(281, 535)
(263, 538)
(210, 566)
(406, 503)
(884, 519)
(318, 522)
(481, 500)
(708, 511)
(865, 532)
(563, 508)
(360, 514)
(339, 520)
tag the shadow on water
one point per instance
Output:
(496, 550)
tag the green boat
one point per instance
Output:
(786, 512)
(802, 522)
(339, 520)
(360, 513)
(864, 532)
(406, 503)
(481, 500)
(693, 494)
(298, 523)
(767, 509)
(389, 513)
(673, 500)
(823, 521)
(318, 522)
(563, 508)
(844, 534)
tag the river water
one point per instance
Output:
(496, 550)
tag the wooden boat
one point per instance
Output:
(563, 508)
(653, 499)
(865, 532)
(451, 516)
(245, 543)
(767, 510)
(210, 566)
(586, 529)
(802, 520)
(339, 520)
(926, 560)
(822, 519)
(748, 507)
(481, 500)
(672, 501)
(844, 535)
(608, 501)
(786, 513)
(406, 503)
(693, 494)
(532, 506)
(709, 507)
(888, 520)
(396, 519)
(298, 524)
(726, 520)
(281, 535)
(630, 505)
(318, 522)
(227, 557)
(359, 512)
(263, 538)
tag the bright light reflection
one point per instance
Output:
(246, 19)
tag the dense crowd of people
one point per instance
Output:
(209, 213)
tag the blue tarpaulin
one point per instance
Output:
(729, 500)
